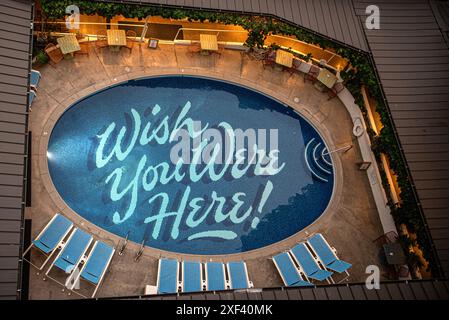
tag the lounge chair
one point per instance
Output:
(35, 77)
(167, 277)
(326, 254)
(192, 276)
(31, 96)
(71, 254)
(289, 273)
(215, 276)
(238, 275)
(50, 238)
(95, 266)
(308, 264)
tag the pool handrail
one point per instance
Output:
(215, 276)
(309, 266)
(238, 275)
(306, 155)
(289, 273)
(71, 254)
(192, 276)
(51, 237)
(95, 266)
(167, 276)
(327, 254)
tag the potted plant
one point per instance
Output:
(40, 59)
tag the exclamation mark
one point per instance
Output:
(266, 193)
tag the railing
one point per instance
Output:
(89, 36)
(224, 36)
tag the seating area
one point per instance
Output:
(324, 78)
(197, 276)
(76, 258)
(311, 261)
(306, 264)
(69, 45)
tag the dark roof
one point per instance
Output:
(334, 19)
(397, 290)
(441, 11)
(412, 59)
(15, 39)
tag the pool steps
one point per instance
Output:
(316, 161)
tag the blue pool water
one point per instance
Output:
(112, 160)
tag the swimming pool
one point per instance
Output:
(190, 165)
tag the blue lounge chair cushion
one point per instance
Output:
(97, 262)
(339, 266)
(288, 271)
(35, 77)
(238, 275)
(308, 263)
(73, 250)
(322, 249)
(42, 246)
(320, 275)
(168, 276)
(64, 265)
(31, 96)
(215, 276)
(192, 276)
(54, 233)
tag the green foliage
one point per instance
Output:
(361, 74)
(41, 58)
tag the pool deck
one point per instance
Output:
(350, 223)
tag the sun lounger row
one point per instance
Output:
(305, 262)
(196, 278)
(72, 245)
